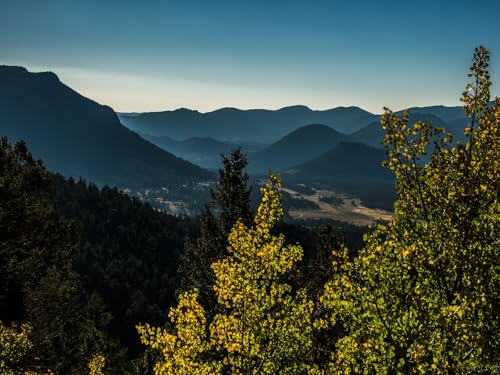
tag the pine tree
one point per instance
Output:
(230, 202)
(38, 283)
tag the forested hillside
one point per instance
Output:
(78, 137)
(114, 260)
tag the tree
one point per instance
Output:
(38, 283)
(37, 251)
(423, 296)
(229, 203)
(263, 325)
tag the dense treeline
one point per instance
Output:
(82, 265)
(128, 253)
(38, 280)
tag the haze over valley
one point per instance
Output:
(170, 158)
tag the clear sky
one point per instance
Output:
(157, 55)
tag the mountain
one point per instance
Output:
(445, 113)
(192, 145)
(373, 134)
(350, 167)
(349, 160)
(202, 151)
(297, 147)
(79, 137)
(236, 125)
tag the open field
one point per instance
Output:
(350, 210)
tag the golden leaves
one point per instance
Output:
(96, 364)
(263, 326)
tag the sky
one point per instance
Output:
(139, 56)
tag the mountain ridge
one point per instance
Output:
(252, 125)
(79, 137)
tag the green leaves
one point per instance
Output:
(423, 295)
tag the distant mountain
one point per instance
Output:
(301, 145)
(347, 160)
(204, 152)
(454, 118)
(444, 113)
(236, 125)
(78, 137)
(350, 167)
(192, 145)
(373, 134)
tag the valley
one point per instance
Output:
(169, 158)
(343, 207)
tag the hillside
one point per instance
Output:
(373, 134)
(236, 125)
(202, 151)
(301, 145)
(443, 112)
(350, 167)
(79, 137)
(347, 160)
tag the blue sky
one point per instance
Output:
(155, 55)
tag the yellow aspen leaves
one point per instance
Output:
(262, 325)
(96, 364)
(14, 345)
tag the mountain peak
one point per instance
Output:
(297, 107)
(314, 128)
(304, 143)
(13, 69)
(20, 71)
(185, 110)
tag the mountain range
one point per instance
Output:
(268, 126)
(339, 147)
(247, 126)
(373, 134)
(81, 138)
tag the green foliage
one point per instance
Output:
(330, 250)
(37, 251)
(423, 296)
(38, 282)
(96, 365)
(129, 254)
